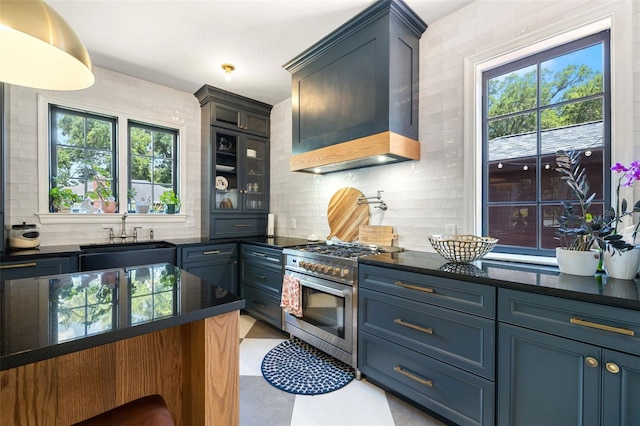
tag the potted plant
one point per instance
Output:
(170, 201)
(104, 195)
(61, 198)
(622, 257)
(580, 232)
(142, 205)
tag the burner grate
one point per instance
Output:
(345, 250)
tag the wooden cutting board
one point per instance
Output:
(377, 235)
(345, 216)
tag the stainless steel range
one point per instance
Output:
(328, 275)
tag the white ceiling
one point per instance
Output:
(183, 43)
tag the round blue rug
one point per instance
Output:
(296, 367)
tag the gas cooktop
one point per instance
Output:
(341, 249)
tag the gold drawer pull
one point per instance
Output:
(420, 380)
(18, 265)
(211, 252)
(415, 327)
(604, 327)
(612, 367)
(262, 277)
(591, 361)
(241, 225)
(414, 287)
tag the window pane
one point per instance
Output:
(512, 137)
(574, 75)
(163, 171)
(163, 144)
(512, 180)
(140, 141)
(592, 162)
(140, 168)
(588, 136)
(550, 223)
(99, 134)
(70, 129)
(513, 225)
(512, 92)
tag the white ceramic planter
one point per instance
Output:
(574, 262)
(622, 265)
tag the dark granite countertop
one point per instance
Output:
(548, 280)
(46, 317)
(70, 250)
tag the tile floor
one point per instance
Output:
(358, 404)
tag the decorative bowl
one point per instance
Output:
(462, 248)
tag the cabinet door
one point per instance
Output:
(236, 118)
(227, 178)
(222, 273)
(621, 391)
(36, 268)
(546, 380)
(256, 167)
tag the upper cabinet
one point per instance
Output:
(355, 92)
(235, 161)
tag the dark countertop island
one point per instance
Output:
(548, 280)
(75, 345)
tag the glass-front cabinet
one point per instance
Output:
(240, 172)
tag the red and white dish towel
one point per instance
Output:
(291, 301)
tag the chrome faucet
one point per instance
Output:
(123, 231)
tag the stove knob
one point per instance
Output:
(335, 270)
(344, 272)
(303, 264)
(314, 266)
(326, 269)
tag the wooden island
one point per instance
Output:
(75, 345)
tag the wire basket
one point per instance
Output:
(462, 248)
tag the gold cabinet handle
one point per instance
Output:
(19, 265)
(262, 277)
(420, 380)
(604, 327)
(413, 287)
(591, 362)
(612, 367)
(413, 326)
(242, 225)
(211, 252)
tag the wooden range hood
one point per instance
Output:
(355, 93)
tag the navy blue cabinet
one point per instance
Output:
(215, 263)
(261, 273)
(430, 339)
(235, 163)
(38, 267)
(565, 362)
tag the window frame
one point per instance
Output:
(614, 16)
(175, 161)
(122, 115)
(536, 59)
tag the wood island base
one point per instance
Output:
(195, 367)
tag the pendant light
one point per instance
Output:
(38, 48)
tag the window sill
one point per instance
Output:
(520, 258)
(106, 218)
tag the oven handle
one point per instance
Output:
(323, 288)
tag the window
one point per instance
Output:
(83, 159)
(152, 162)
(85, 164)
(532, 107)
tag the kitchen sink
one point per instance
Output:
(104, 256)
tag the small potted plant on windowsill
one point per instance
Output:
(170, 201)
(581, 233)
(62, 199)
(142, 205)
(103, 194)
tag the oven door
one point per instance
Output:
(327, 314)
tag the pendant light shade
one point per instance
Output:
(38, 48)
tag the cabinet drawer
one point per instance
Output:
(607, 326)
(30, 267)
(242, 227)
(209, 252)
(265, 278)
(262, 305)
(468, 297)
(466, 341)
(262, 254)
(462, 397)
